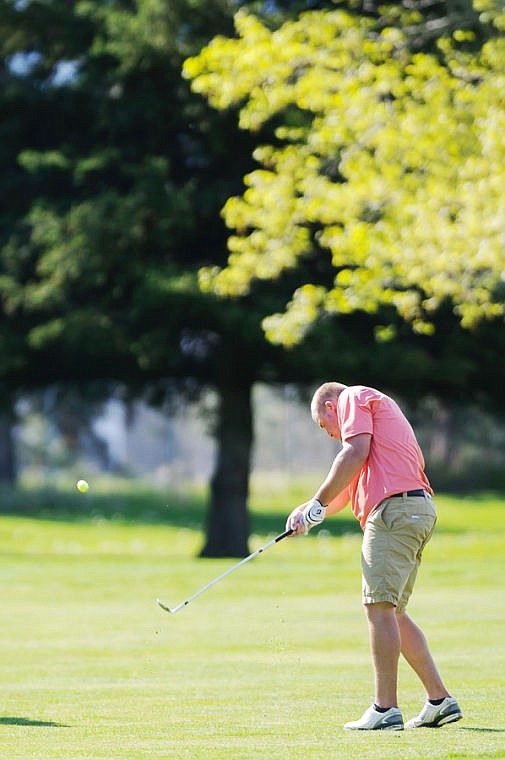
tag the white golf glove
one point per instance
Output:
(313, 514)
(302, 520)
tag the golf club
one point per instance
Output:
(223, 575)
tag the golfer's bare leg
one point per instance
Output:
(385, 643)
(414, 648)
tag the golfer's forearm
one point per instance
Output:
(344, 469)
(338, 503)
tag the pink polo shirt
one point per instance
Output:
(395, 462)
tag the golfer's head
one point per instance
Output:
(323, 408)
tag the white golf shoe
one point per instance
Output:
(432, 716)
(372, 720)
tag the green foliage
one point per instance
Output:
(394, 166)
(113, 179)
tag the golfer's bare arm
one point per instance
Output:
(345, 467)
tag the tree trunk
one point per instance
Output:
(228, 519)
(7, 453)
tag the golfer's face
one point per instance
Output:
(328, 421)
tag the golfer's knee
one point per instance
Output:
(378, 609)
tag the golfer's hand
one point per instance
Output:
(295, 522)
(304, 517)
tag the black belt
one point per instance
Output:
(418, 492)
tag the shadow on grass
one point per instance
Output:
(126, 505)
(134, 503)
(483, 730)
(267, 524)
(5, 721)
(141, 506)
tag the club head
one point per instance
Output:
(172, 609)
(164, 606)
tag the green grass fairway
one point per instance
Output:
(267, 664)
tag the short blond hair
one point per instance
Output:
(325, 392)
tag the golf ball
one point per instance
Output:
(82, 486)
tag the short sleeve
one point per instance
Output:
(355, 413)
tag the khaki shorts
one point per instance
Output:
(393, 542)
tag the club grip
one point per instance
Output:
(283, 535)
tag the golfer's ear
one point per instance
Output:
(329, 406)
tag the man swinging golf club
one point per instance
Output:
(380, 469)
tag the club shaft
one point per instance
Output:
(231, 570)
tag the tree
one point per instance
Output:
(124, 173)
(388, 158)
(121, 173)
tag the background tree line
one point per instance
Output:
(114, 175)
